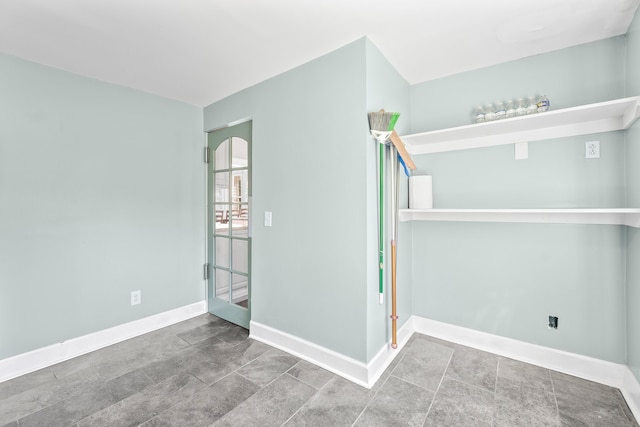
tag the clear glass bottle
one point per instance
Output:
(489, 113)
(478, 115)
(532, 108)
(501, 111)
(543, 104)
(511, 108)
(521, 109)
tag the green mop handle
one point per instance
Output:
(381, 222)
(378, 122)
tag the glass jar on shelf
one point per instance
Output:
(501, 111)
(543, 104)
(532, 108)
(489, 113)
(521, 108)
(511, 109)
(478, 115)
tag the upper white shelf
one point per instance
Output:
(622, 216)
(583, 120)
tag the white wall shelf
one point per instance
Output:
(583, 120)
(623, 216)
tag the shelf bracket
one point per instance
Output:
(631, 114)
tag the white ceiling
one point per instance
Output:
(200, 51)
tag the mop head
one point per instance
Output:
(381, 124)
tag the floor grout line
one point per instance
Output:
(412, 383)
(308, 400)
(555, 397)
(495, 393)
(359, 415)
(435, 394)
(303, 381)
(378, 390)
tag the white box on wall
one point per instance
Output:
(420, 192)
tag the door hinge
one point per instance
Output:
(206, 154)
(205, 271)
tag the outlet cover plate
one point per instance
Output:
(592, 150)
(136, 297)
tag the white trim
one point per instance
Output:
(366, 375)
(582, 120)
(354, 370)
(631, 392)
(614, 216)
(385, 356)
(345, 366)
(46, 356)
(601, 371)
(230, 124)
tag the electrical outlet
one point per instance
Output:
(553, 322)
(592, 150)
(136, 297)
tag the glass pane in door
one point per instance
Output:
(221, 182)
(240, 220)
(222, 156)
(222, 252)
(240, 294)
(240, 188)
(240, 261)
(222, 219)
(222, 284)
(239, 156)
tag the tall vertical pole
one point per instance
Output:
(381, 154)
(394, 232)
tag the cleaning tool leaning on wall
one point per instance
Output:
(381, 125)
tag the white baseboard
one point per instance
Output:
(384, 357)
(601, 371)
(631, 392)
(354, 370)
(364, 374)
(349, 368)
(46, 356)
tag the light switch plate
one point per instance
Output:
(267, 219)
(592, 150)
(521, 150)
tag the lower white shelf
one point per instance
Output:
(630, 217)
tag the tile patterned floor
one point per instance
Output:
(205, 372)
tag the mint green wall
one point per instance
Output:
(515, 275)
(556, 174)
(633, 195)
(505, 279)
(633, 57)
(578, 75)
(633, 299)
(102, 193)
(310, 144)
(387, 90)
